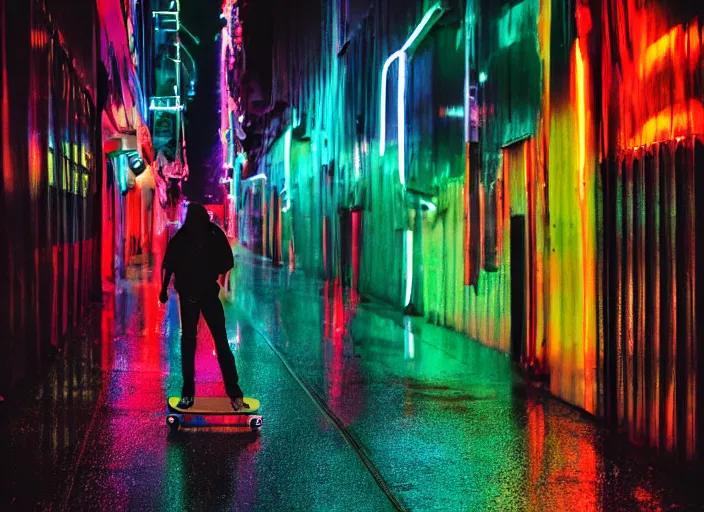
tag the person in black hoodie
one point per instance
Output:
(197, 255)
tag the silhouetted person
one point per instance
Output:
(198, 254)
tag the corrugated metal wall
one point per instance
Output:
(650, 181)
(49, 151)
(569, 242)
(651, 357)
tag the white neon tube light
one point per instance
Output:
(240, 159)
(382, 121)
(401, 106)
(409, 339)
(401, 55)
(408, 248)
(287, 164)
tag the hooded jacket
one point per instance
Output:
(197, 255)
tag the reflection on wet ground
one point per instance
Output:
(358, 405)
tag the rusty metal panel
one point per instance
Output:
(648, 281)
(639, 293)
(669, 291)
(628, 290)
(698, 280)
(618, 293)
(652, 296)
(687, 352)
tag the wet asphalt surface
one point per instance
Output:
(363, 410)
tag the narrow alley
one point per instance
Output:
(362, 411)
(450, 246)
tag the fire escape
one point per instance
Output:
(174, 81)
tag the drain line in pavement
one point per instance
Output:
(100, 402)
(336, 422)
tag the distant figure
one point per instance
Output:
(198, 254)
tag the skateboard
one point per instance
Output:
(213, 412)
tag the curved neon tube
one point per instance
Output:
(382, 107)
(401, 55)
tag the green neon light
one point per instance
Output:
(434, 12)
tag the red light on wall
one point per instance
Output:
(584, 19)
(112, 145)
(39, 38)
(660, 50)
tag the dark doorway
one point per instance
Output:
(518, 286)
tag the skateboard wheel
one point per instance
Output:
(173, 422)
(255, 423)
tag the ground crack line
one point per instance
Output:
(336, 422)
(98, 405)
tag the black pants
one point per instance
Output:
(215, 318)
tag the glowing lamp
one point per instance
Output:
(136, 164)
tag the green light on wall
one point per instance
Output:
(431, 16)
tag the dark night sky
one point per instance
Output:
(202, 18)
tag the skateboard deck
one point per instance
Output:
(213, 412)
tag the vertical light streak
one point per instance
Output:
(581, 117)
(401, 106)
(287, 165)
(224, 95)
(408, 248)
(582, 134)
(237, 170)
(468, 20)
(357, 161)
(409, 340)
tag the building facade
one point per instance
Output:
(523, 172)
(72, 104)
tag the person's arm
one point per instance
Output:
(167, 271)
(224, 251)
(165, 280)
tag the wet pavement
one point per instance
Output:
(363, 410)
